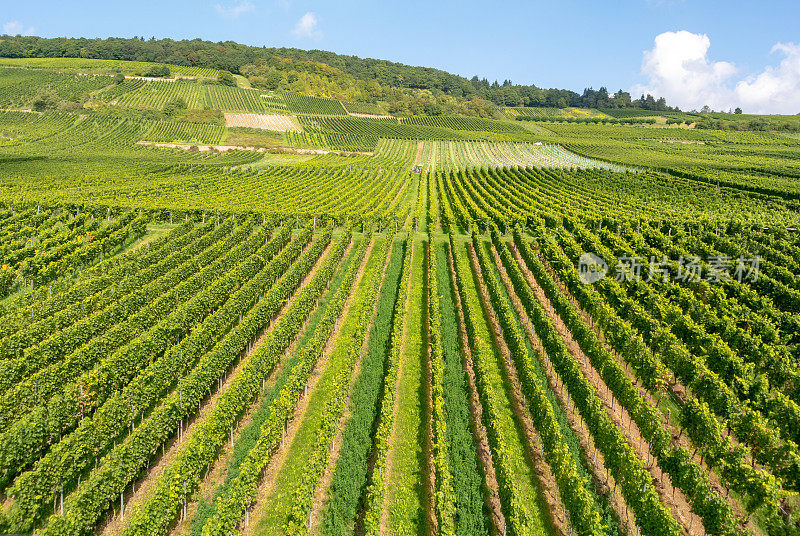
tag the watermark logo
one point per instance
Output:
(691, 269)
(592, 268)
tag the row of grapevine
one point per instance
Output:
(475, 124)
(376, 486)
(168, 418)
(28, 321)
(146, 307)
(686, 475)
(18, 87)
(445, 500)
(760, 487)
(104, 67)
(156, 94)
(365, 108)
(707, 365)
(337, 397)
(573, 488)
(124, 375)
(182, 132)
(40, 254)
(621, 460)
(516, 492)
(233, 506)
(351, 473)
(303, 104)
(235, 99)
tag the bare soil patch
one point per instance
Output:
(273, 122)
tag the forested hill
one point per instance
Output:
(271, 66)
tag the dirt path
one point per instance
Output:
(143, 488)
(268, 481)
(224, 148)
(393, 435)
(669, 495)
(492, 497)
(429, 491)
(547, 487)
(678, 439)
(420, 150)
(321, 495)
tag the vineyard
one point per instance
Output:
(303, 104)
(363, 108)
(388, 325)
(103, 67)
(556, 113)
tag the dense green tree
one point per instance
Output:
(226, 78)
(45, 100)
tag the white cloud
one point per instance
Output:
(307, 26)
(777, 89)
(679, 69)
(235, 10)
(15, 27)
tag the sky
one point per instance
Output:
(692, 52)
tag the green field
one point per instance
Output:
(383, 325)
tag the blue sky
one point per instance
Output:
(726, 53)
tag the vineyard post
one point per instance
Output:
(180, 403)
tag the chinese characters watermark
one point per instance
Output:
(690, 269)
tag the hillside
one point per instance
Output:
(324, 73)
